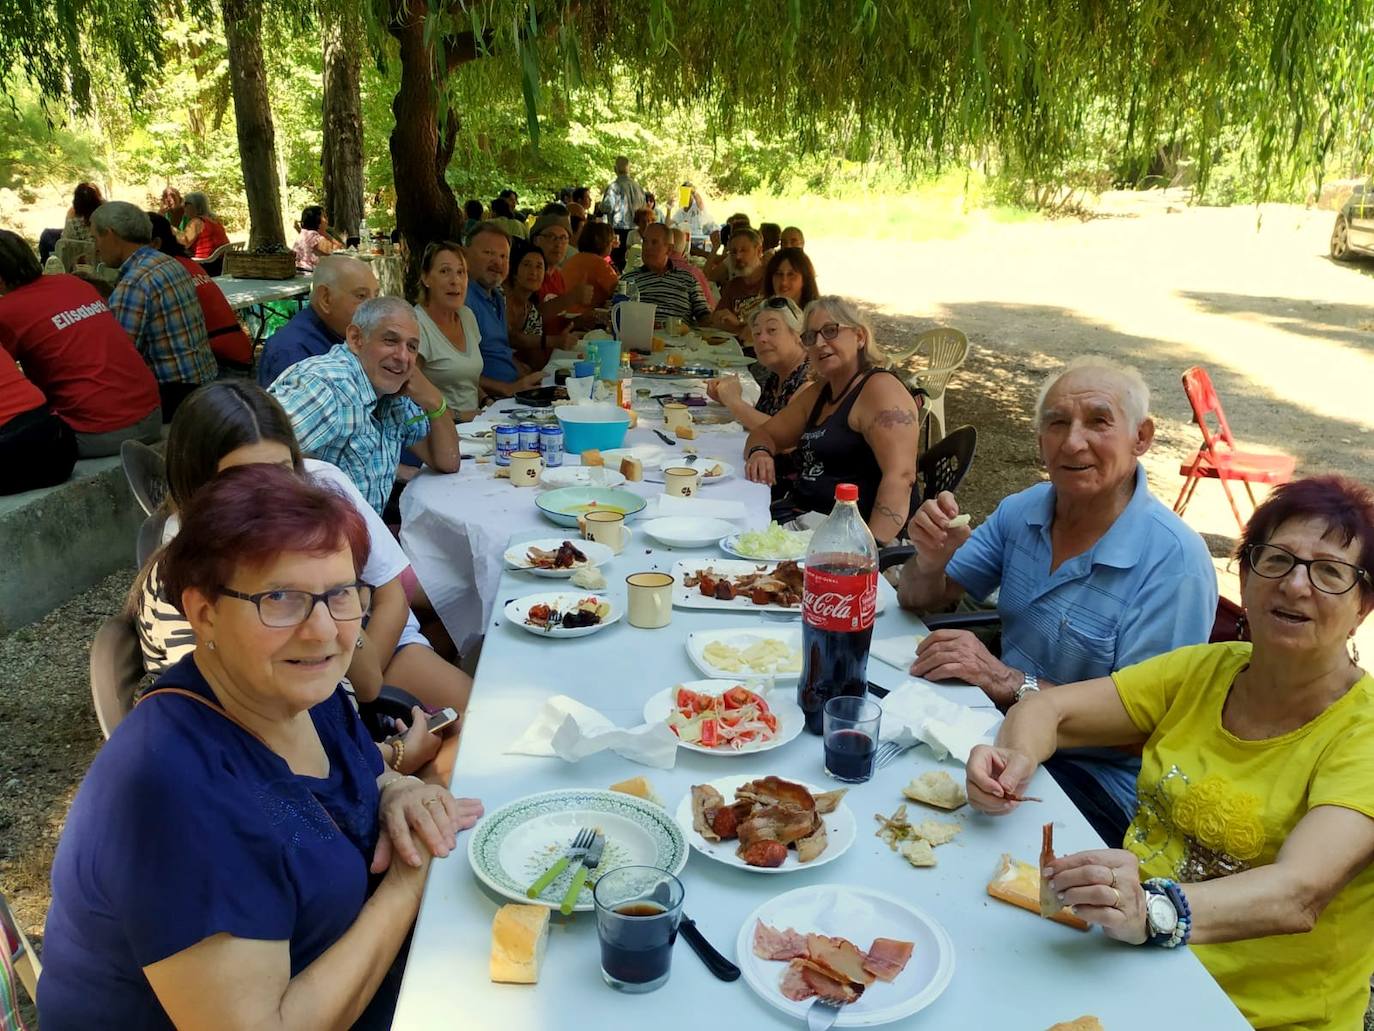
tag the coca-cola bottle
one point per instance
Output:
(839, 601)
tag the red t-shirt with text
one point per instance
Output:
(227, 338)
(17, 394)
(72, 347)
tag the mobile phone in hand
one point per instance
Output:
(436, 722)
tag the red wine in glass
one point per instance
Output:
(849, 755)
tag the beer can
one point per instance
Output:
(551, 445)
(507, 442)
(529, 436)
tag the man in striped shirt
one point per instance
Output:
(674, 291)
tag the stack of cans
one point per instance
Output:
(529, 436)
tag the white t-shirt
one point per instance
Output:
(454, 372)
(166, 637)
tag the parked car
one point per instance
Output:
(1353, 234)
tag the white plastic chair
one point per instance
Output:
(937, 356)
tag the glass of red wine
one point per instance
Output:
(637, 913)
(851, 737)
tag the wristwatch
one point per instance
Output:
(1029, 683)
(1168, 918)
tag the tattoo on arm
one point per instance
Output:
(889, 418)
(882, 509)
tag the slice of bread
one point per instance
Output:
(592, 457)
(685, 432)
(518, 936)
(639, 787)
(632, 469)
(1019, 883)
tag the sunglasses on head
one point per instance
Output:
(828, 333)
(782, 304)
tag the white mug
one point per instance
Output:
(525, 467)
(681, 481)
(675, 414)
(649, 600)
(606, 528)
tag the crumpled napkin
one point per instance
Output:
(703, 508)
(572, 731)
(914, 713)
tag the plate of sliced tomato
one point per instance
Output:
(726, 717)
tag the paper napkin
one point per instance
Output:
(566, 728)
(898, 651)
(914, 712)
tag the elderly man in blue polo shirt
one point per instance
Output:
(365, 400)
(339, 284)
(1094, 572)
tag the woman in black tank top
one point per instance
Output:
(856, 424)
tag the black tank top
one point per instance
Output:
(832, 452)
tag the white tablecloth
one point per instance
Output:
(1013, 970)
(455, 527)
(245, 293)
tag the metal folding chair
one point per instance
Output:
(1218, 458)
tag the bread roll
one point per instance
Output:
(685, 432)
(632, 469)
(592, 457)
(639, 787)
(518, 936)
(1019, 883)
(937, 788)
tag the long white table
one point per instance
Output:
(250, 293)
(455, 526)
(1013, 970)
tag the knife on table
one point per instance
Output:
(589, 862)
(715, 962)
(665, 438)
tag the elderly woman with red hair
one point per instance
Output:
(217, 864)
(1254, 835)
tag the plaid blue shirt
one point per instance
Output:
(339, 418)
(156, 303)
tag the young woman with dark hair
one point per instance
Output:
(314, 242)
(790, 274)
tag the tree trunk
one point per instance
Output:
(253, 118)
(343, 117)
(426, 209)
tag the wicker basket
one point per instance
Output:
(260, 266)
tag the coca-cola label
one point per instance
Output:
(839, 601)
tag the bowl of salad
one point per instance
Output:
(725, 717)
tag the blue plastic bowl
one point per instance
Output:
(564, 505)
(588, 427)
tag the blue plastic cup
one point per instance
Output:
(608, 359)
(581, 370)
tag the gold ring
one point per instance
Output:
(1113, 870)
(1117, 903)
(433, 801)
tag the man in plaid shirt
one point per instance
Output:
(155, 301)
(361, 403)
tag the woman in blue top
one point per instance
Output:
(217, 864)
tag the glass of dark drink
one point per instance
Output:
(637, 913)
(851, 737)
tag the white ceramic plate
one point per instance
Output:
(801, 540)
(512, 846)
(840, 831)
(517, 610)
(686, 531)
(743, 640)
(685, 597)
(860, 915)
(597, 555)
(581, 476)
(783, 703)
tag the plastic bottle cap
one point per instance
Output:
(846, 492)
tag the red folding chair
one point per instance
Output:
(1218, 458)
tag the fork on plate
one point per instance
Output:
(822, 1014)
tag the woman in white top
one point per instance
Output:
(233, 422)
(449, 338)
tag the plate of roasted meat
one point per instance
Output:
(876, 955)
(732, 584)
(766, 824)
(557, 556)
(563, 615)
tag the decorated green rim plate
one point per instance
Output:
(511, 847)
(565, 504)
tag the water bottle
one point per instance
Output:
(839, 603)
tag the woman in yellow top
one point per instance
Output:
(1255, 830)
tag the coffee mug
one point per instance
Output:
(525, 467)
(681, 481)
(676, 414)
(606, 528)
(650, 600)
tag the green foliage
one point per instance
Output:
(32, 154)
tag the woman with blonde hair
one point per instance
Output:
(202, 234)
(855, 423)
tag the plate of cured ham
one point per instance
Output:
(766, 824)
(879, 956)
